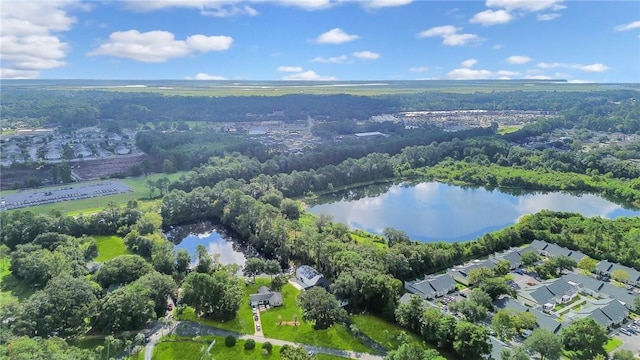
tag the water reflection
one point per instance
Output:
(433, 211)
(188, 237)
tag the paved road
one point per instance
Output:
(190, 328)
(155, 335)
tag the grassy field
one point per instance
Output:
(508, 129)
(110, 247)
(336, 336)
(10, 287)
(612, 344)
(242, 323)
(371, 326)
(176, 347)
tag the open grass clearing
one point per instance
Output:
(177, 347)
(336, 337)
(242, 323)
(110, 247)
(612, 344)
(10, 287)
(383, 332)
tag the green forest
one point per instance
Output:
(53, 299)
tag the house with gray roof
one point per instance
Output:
(497, 347)
(577, 255)
(548, 293)
(539, 246)
(461, 272)
(542, 320)
(309, 277)
(606, 268)
(556, 250)
(601, 289)
(513, 256)
(432, 287)
(607, 312)
(265, 297)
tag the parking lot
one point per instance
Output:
(630, 341)
(63, 193)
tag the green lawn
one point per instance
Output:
(243, 322)
(10, 287)
(381, 331)
(175, 347)
(612, 344)
(336, 336)
(110, 247)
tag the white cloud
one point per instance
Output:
(518, 59)
(576, 81)
(309, 75)
(594, 68)
(449, 35)
(335, 36)
(205, 76)
(216, 8)
(526, 5)
(588, 68)
(548, 17)
(627, 27)
(418, 69)
(468, 63)
(296, 69)
(158, 46)
(491, 17)
(439, 31)
(29, 42)
(377, 4)
(469, 74)
(342, 59)
(554, 65)
(366, 55)
(305, 4)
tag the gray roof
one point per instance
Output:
(555, 250)
(404, 299)
(586, 282)
(496, 348)
(604, 266)
(539, 245)
(600, 318)
(619, 294)
(615, 311)
(634, 275)
(508, 303)
(547, 291)
(577, 255)
(429, 287)
(464, 270)
(542, 320)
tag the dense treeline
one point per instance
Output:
(610, 110)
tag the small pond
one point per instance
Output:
(188, 237)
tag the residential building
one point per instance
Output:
(265, 297)
(461, 272)
(606, 268)
(431, 287)
(309, 277)
(543, 320)
(607, 312)
(548, 293)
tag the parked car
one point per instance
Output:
(625, 331)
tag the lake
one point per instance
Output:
(432, 211)
(188, 237)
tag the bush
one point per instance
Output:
(250, 344)
(230, 341)
(267, 346)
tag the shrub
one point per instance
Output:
(250, 344)
(267, 346)
(230, 340)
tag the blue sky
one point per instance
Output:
(580, 41)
